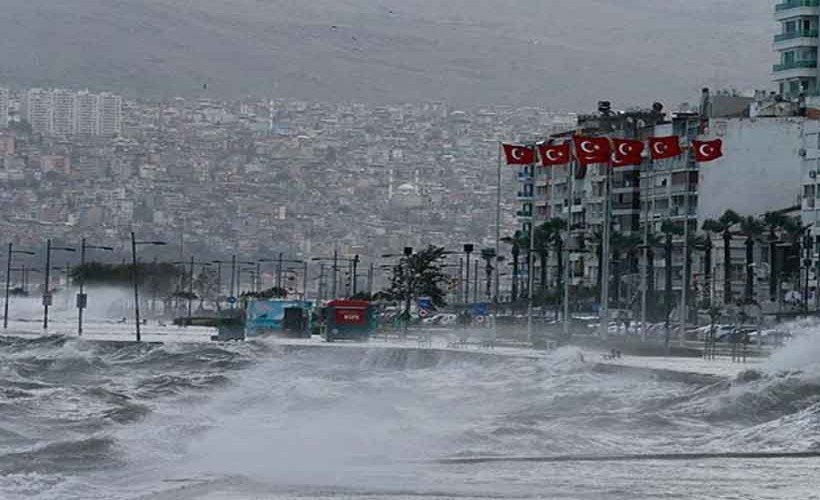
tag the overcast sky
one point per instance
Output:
(566, 54)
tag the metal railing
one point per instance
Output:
(782, 37)
(795, 65)
(793, 4)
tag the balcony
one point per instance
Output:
(794, 8)
(794, 65)
(524, 195)
(794, 4)
(795, 34)
(795, 69)
(795, 40)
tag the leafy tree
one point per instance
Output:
(270, 293)
(161, 276)
(419, 275)
(206, 286)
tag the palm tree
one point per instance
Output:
(653, 241)
(751, 228)
(780, 227)
(669, 230)
(622, 245)
(518, 241)
(723, 226)
(703, 243)
(548, 235)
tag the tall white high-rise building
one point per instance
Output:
(796, 45)
(63, 113)
(4, 107)
(37, 110)
(87, 114)
(110, 109)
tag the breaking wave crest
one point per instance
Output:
(295, 415)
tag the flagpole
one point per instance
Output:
(498, 232)
(645, 269)
(530, 259)
(604, 307)
(685, 274)
(565, 249)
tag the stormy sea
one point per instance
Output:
(93, 420)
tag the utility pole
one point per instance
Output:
(354, 277)
(279, 271)
(335, 271)
(135, 278)
(475, 285)
(233, 280)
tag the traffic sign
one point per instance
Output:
(231, 300)
(423, 313)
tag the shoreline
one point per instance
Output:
(672, 368)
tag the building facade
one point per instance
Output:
(4, 107)
(110, 114)
(64, 112)
(87, 113)
(38, 110)
(796, 45)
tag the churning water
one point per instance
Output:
(84, 420)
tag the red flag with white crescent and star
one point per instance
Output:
(590, 150)
(519, 155)
(707, 150)
(626, 152)
(554, 154)
(662, 148)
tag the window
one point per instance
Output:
(789, 27)
(788, 57)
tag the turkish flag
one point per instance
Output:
(554, 154)
(626, 152)
(664, 147)
(707, 150)
(592, 149)
(519, 155)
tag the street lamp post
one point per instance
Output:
(46, 290)
(12, 251)
(135, 277)
(468, 249)
(82, 299)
